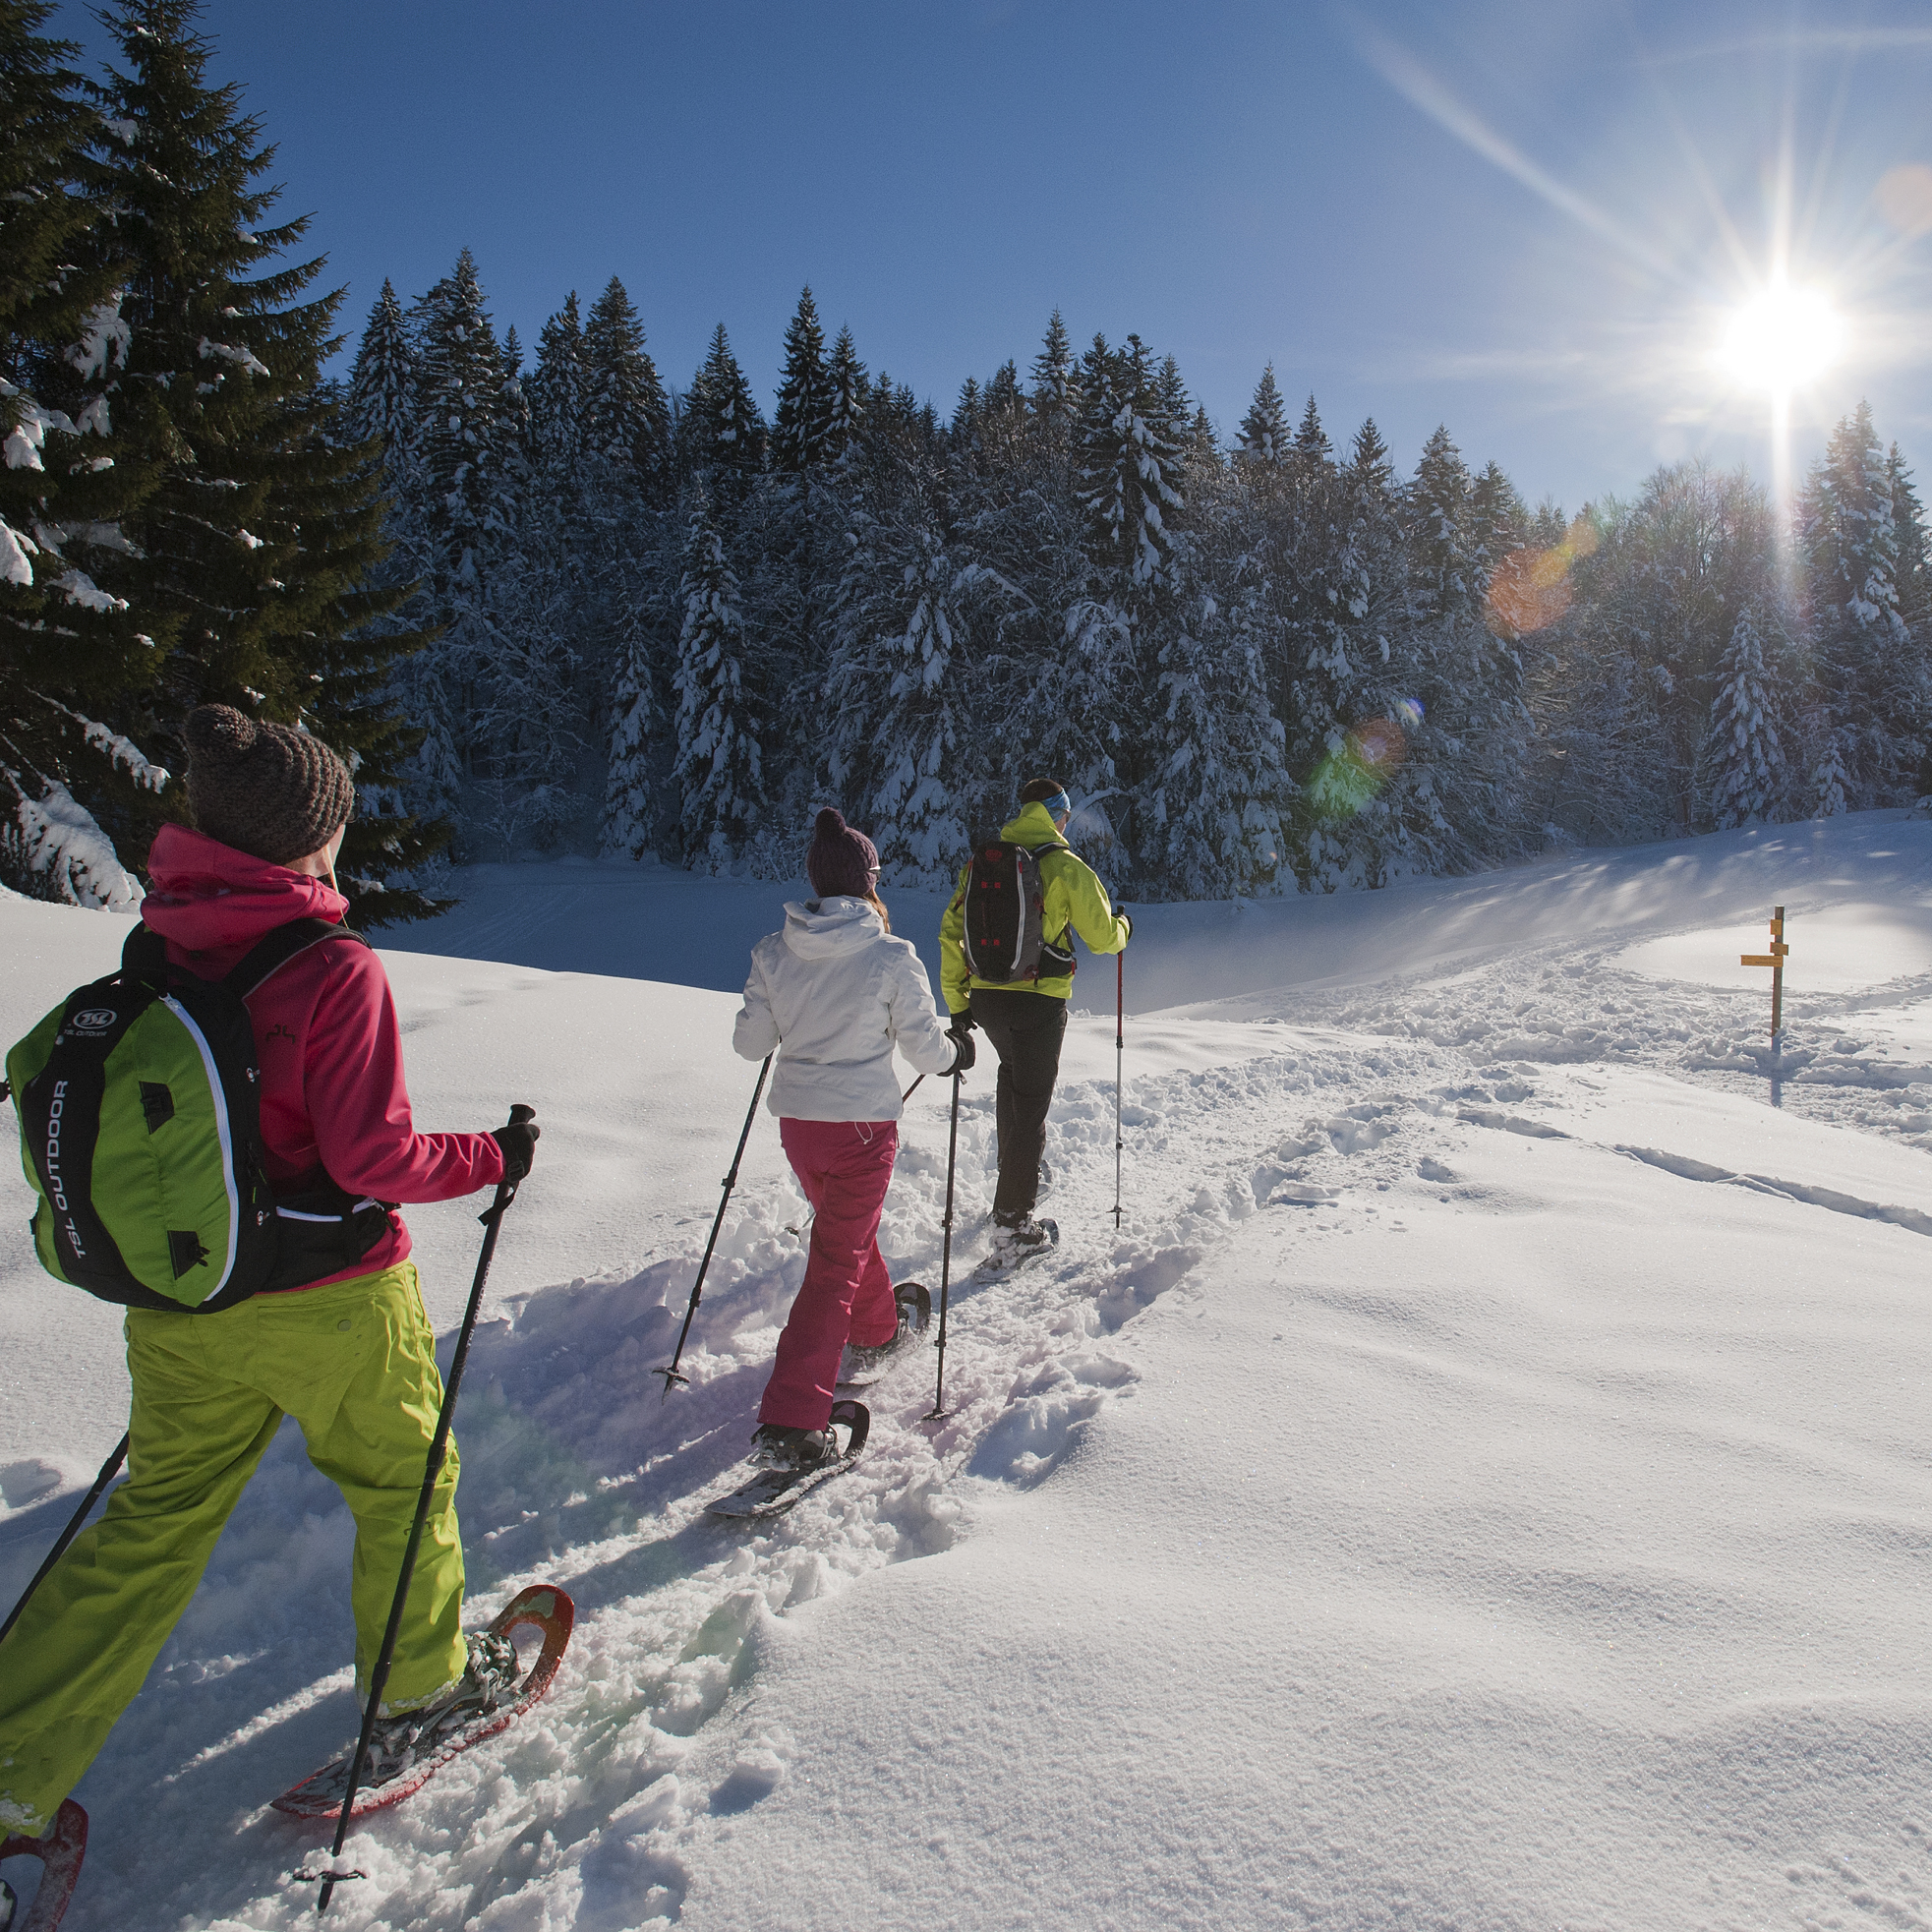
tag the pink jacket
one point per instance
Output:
(333, 1095)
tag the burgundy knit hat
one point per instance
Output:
(842, 862)
(264, 788)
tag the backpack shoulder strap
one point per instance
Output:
(282, 944)
(144, 952)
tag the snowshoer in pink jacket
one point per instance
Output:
(834, 993)
(349, 1352)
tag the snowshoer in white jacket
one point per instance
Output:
(834, 993)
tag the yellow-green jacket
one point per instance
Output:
(1074, 897)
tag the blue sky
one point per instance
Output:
(1526, 220)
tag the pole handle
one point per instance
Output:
(506, 1190)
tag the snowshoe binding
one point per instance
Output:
(793, 1462)
(407, 1749)
(863, 1366)
(1016, 1238)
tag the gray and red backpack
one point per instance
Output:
(1005, 933)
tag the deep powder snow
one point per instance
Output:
(1481, 1483)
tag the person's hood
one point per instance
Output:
(825, 928)
(204, 896)
(1032, 825)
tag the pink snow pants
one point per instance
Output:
(844, 1166)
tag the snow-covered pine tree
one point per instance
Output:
(1212, 812)
(1312, 452)
(1265, 438)
(627, 536)
(1175, 405)
(1093, 688)
(626, 420)
(1055, 386)
(720, 763)
(1499, 521)
(1742, 768)
(556, 390)
(849, 394)
(900, 753)
(1370, 809)
(460, 406)
(516, 424)
(725, 433)
(1468, 680)
(1130, 468)
(1658, 585)
(964, 429)
(802, 423)
(1914, 581)
(558, 560)
(1830, 780)
(469, 525)
(78, 657)
(1441, 559)
(641, 751)
(1912, 566)
(1871, 681)
(382, 401)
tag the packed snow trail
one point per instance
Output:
(1483, 1483)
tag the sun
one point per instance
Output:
(1781, 339)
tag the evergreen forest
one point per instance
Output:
(549, 600)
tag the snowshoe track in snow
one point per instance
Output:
(1352, 1108)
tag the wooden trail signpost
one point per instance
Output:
(1775, 960)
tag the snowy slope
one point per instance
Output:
(1482, 1485)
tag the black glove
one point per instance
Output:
(963, 1023)
(1129, 917)
(519, 1145)
(967, 1052)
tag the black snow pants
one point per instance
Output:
(1026, 1029)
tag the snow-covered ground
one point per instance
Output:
(1482, 1485)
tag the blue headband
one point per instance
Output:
(1059, 802)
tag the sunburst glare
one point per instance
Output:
(1781, 339)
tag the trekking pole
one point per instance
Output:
(379, 1679)
(1120, 1049)
(939, 1410)
(911, 1091)
(108, 1471)
(731, 1181)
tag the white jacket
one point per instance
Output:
(834, 992)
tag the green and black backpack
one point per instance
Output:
(140, 1133)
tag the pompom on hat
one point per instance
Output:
(842, 862)
(267, 789)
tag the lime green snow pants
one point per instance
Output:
(354, 1363)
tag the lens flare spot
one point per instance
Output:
(1530, 589)
(1781, 338)
(1355, 771)
(1904, 198)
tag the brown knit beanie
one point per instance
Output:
(842, 862)
(264, 788)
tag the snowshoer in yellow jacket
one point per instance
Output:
(1027, 1019)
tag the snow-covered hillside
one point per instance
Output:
(1483, 1484)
